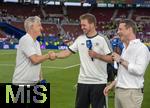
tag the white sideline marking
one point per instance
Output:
(3, 64)
(71, 66)
(52, 67)
(7, 53)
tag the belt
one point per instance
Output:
(141, 89)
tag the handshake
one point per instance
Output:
(52, 55)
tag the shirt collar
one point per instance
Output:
(134, 41)
(30, 37)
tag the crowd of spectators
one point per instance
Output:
(66, 37)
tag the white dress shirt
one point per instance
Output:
(137, 54)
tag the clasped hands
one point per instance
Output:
(116, 57)
(52, 55)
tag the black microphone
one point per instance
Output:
(89, 46)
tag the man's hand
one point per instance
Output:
(108, 88)
(93, 54)
(116, 57)
(52, 55)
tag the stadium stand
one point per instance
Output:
(61, 22)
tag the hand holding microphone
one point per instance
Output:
(89, 46)
(115, 62)
(116, 58)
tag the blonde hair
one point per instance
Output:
(29, 22)
(90, 17)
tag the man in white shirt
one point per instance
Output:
(29, 58)
(93, 51)
(133, 63)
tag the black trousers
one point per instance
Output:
(111, 71)
(90, 94)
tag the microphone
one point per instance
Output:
(110, 47)
(89, 46)
(115, 65)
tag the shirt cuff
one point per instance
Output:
(130, 67)
(71, 50)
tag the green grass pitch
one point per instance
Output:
(62, 75)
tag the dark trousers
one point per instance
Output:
(90, 94)
(111, 71)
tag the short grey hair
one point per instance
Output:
(29, 22)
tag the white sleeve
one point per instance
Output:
(74, 47)
(27, 46)
(106, 48)
(140, 65)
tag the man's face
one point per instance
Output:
(86, 26)
(37, 27)
(123, 32)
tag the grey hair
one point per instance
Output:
(29, 22)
